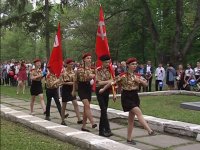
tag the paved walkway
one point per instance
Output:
(119, 128)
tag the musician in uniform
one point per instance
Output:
(129, 97)
(84, 79)
(103, 77)
(68, 77)
(36, 76)
(52, 84)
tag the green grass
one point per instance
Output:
(11, 92)
(167, 107)
(14, 136)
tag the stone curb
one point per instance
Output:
(76, 137)
(158, 124)
(163, 93)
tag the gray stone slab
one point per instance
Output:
(43, 126)
(141, 146)
(55, 120)
(36, 106)
(7, 99)
(72, 120)
(29, 120)
(71, 114)
(188, 147)
(5, 104)
(137, 132)
(163, 140)
(17, 108)
(115, 138)
(55, 115)
(62, 133)
(115, 125)
(76, 126)
(21, 103)
(53, 109)
(92, 141)
(58, 121)
(191, 105)
(157, 124)
(181, 128)
(198, 137)
(39, 115)
(12, 115)
(26, 111)
(196, 129)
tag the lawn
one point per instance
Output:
(167, 107)
(15, 136)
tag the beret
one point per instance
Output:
(130, 60)
(36, 60)
(104, 57)
(86, 55)
(68, 60)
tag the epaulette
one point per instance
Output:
(122, 74)
(99, 68)
(80, 67)
(138, 74)
(93, 67)
(48, 75)
(62, 71)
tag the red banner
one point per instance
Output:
(56, 58)
(102, 47)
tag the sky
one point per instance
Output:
(52, 1)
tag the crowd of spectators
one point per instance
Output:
(181, 78)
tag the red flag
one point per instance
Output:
(102, 47)
(56, 58)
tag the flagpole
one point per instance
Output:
(113, 89)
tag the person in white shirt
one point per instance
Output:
(189, 74)
(197, 72)
(160, 75)
(148, 70)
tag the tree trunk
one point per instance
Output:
(195, 30)
(153, 30)
(177, 37)
(152, 27)
(47, 28)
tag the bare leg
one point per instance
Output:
(138, 113)
(76, 109)
(87, 113)
(23, 86)
(131, 117)
(19, 86)
(84, 119)
(42, 102)
(32, 103)
(64, 104)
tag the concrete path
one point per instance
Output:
(119, 128)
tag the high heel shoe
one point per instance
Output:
(152, 133)
(94, 125)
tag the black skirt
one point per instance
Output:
(197, 76)
(84, 90)
(129, 100)
(66, 93)
(36, 88)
